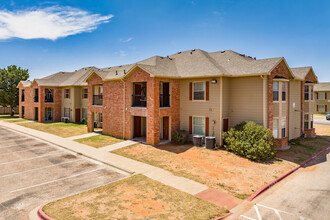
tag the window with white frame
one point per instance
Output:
(321, 96)
(283, 128)
(275, 128)
(284, 91)
(311, 117)
(306, 121)
(312, 92)
(199, 91)
(66, 112)
(84, 113)
(276, 91)
(85, 93)
(67, 93)
(199, 125)
(321, 108)
(306, 91)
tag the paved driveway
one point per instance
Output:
(33, 173)
(303, 195)
(321, 120)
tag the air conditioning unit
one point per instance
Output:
(65, 119)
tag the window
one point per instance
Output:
(311, 121)
(275, 91)
(101, 117)
(306, 92)
(67, 93)
(84, 113)
(23, 95)
(306, 121)
(275, 128)
(321, 108)
(321, 96)
(49, 95)
(85, 93)
(199, 125)
(312, 93)
(67, 112)
(199, 91)
(283, 127)
(283, 91)
(48, 114)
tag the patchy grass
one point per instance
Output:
(99, 140)
(58, 128)
(137, 197)
(218, 169)
(4, 117)
(16, 120)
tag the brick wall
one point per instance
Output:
(94, 80)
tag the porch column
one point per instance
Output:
(153, 111)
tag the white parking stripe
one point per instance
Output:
(247, 217)
(14, 145)
(39, 168)
(257, 211)
(31, 158)
(52, 181)
(24, 150)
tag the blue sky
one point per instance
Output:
(51, 36)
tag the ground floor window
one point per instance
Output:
(306, 121)
(311, 121)
(67, 112)
(199, 125)
(321, 108)
(275, 128)
(84, 113)
(283, 129)
(48, 114)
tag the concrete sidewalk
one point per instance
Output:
(82, 136)
(118, 145)
(119, 162)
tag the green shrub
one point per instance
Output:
(180, 137)
(249, 140)
(84, 121)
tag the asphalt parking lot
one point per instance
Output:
(33, 173)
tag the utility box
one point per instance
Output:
(210, 142)
(198, 140)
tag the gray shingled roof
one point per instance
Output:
(301, 72)
(192, 63)
(26, 83)
(322, 87)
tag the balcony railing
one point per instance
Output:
(49, 98)
(97, 99)
(36, 98)
(139, 101)
(164, 100)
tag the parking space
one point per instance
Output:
(33, 172)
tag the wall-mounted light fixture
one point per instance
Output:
(214, 81)
(213, 122)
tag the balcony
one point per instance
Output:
(139, 101)
(164, 100)
(97, 99)
(22, 98)
(36, 98)
(49, 98)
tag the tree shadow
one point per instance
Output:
(174, 148)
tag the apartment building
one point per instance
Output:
(203, 93)
(322, 98)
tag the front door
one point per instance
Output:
(36, 114)
(137, 126)
(225, 124)
(77, 115)
(166, 123)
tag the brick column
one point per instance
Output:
(153, 111)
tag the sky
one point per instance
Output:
(64, 35)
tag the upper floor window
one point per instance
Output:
(321, 95)
(199, 91)
(276, 88)
(23, 95)
(85, 93)
(312, 93)
(164, 94)
(67, 93)
(306, 89)
(284, 91)
(49, 95)
(199, 125)
(36, 95)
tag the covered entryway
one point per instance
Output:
(165, 135)
(77, 115)
(139, 128)
(36, 113)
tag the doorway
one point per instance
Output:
(77, 115)
(139, 128)
(36, 113)
(225, 125)
(23, 112)
(166, 128)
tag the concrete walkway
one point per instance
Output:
(118, 145)
(119, 162)
(83, 136)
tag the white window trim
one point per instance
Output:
(193, 85)
(84, 93)
(286, 134)
(67, 93)
(279, 91)
(192, 124)
(278, 127)
(286, 92)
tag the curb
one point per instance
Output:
(85, 155)
(271, 184)
(42, 215)
(224, 217)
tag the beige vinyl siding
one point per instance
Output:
(225, 97)
(284, 109)
(209, 108)
(245, 95)
(295, 112)
(68, 103)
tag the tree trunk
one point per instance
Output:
(12, 111)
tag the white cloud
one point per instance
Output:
(126, 40)
(48, 23)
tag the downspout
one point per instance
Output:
(124, 108)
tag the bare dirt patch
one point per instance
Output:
(137, 197)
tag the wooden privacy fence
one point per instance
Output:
(6, 110)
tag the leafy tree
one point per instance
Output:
(9, 79)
